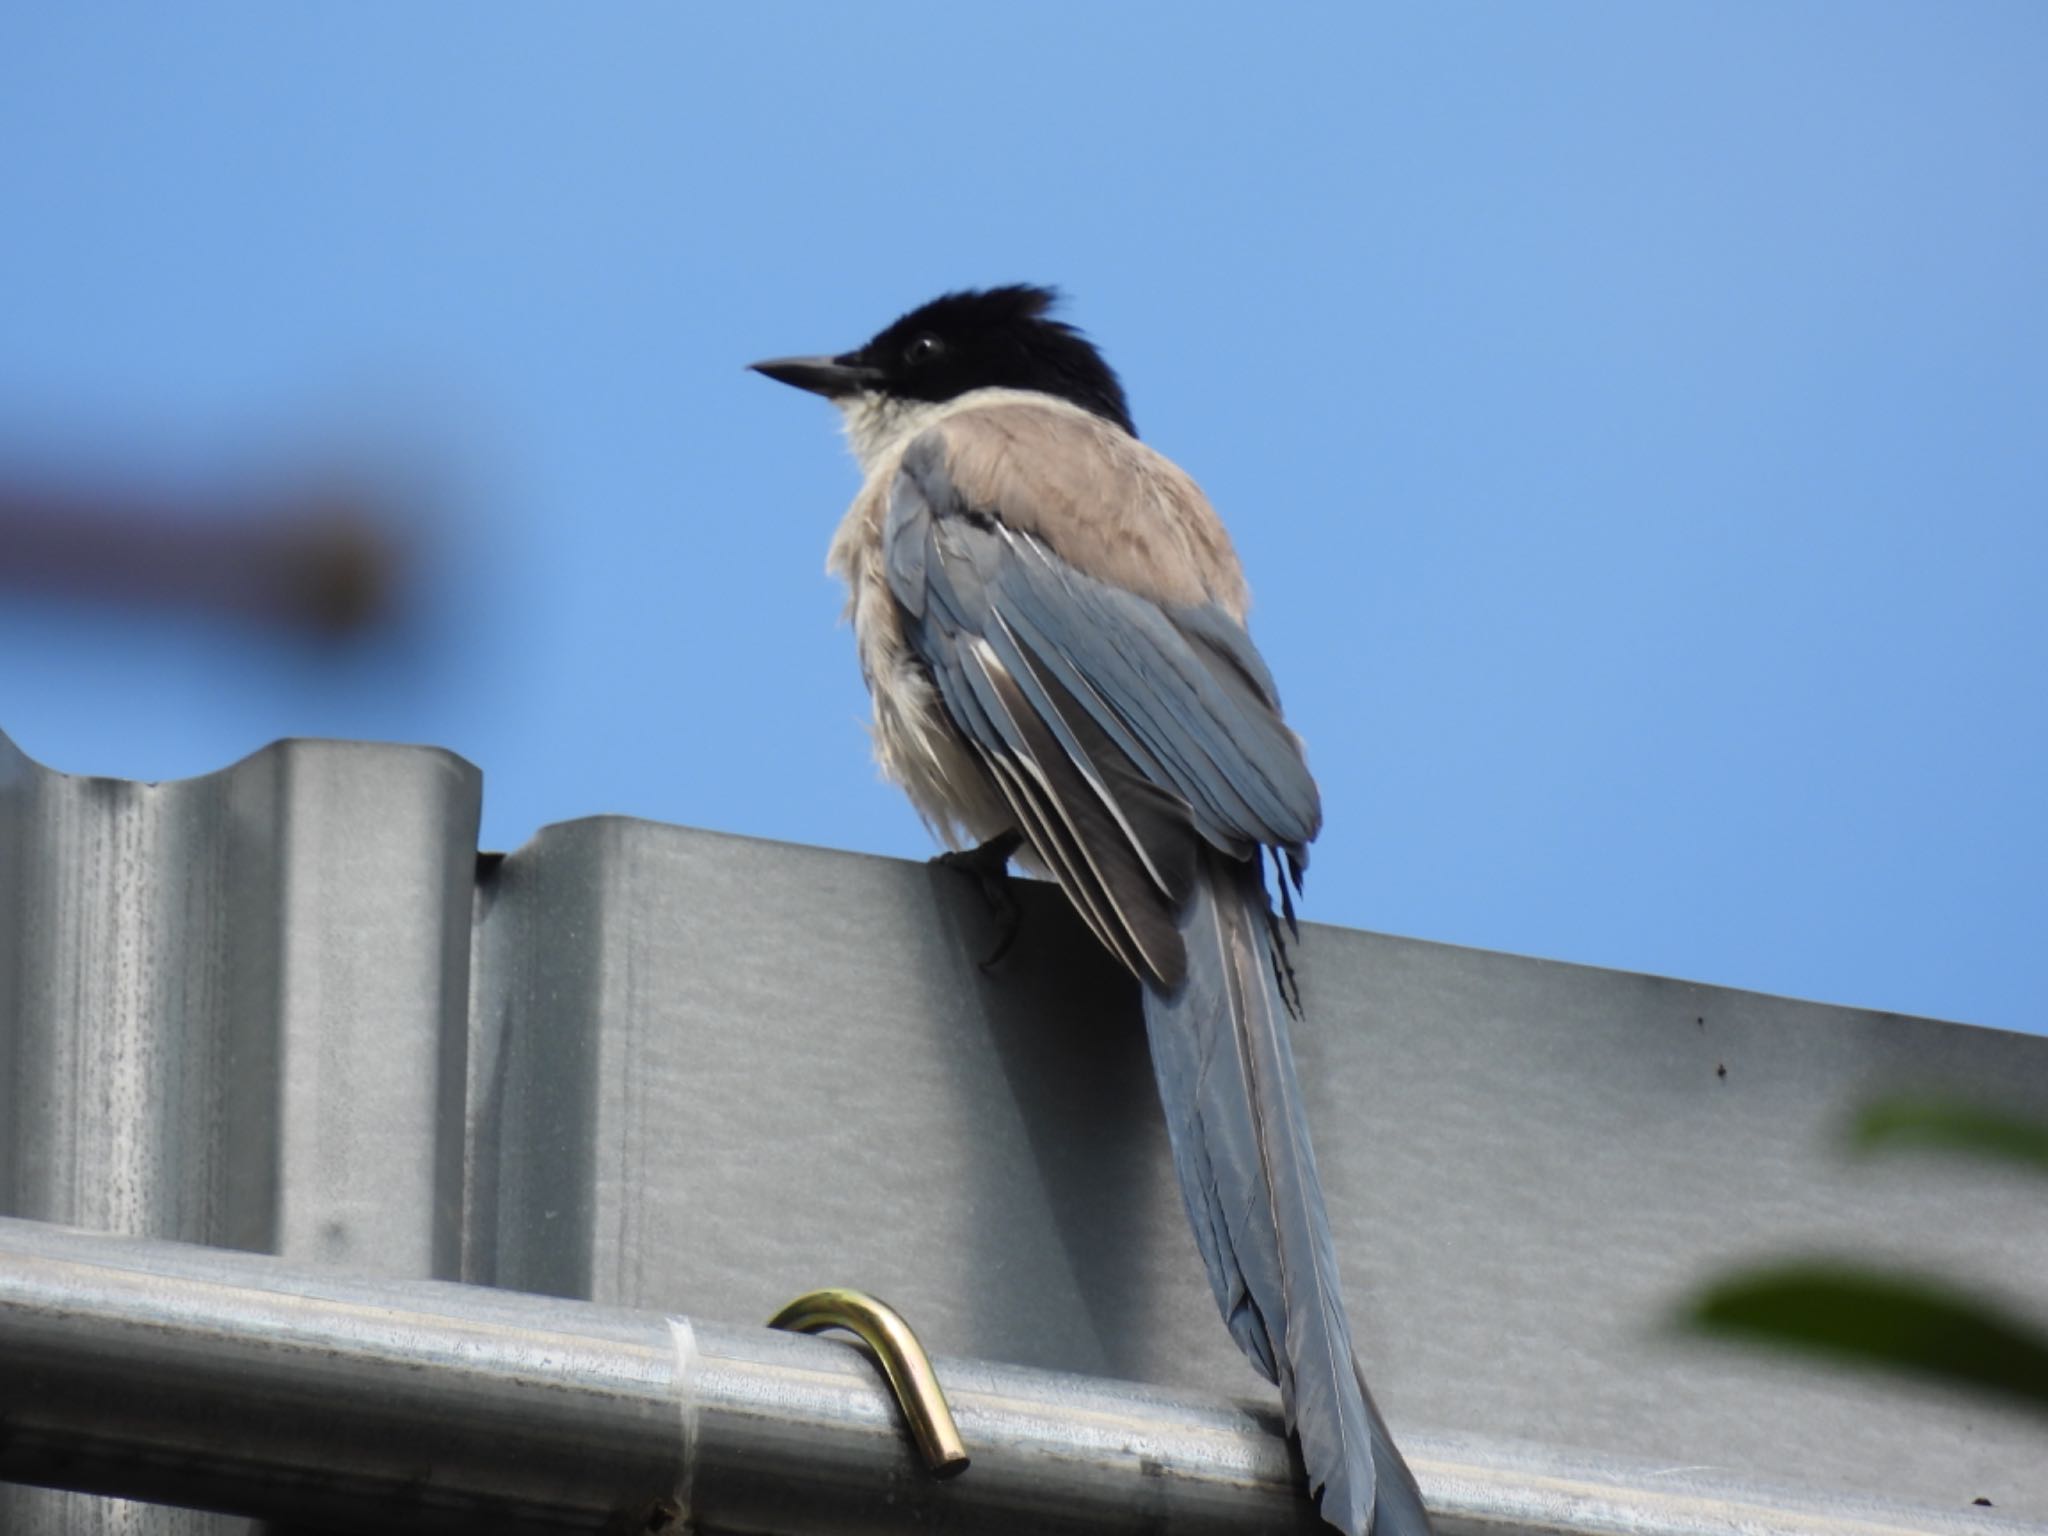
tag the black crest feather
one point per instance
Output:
(987, 338)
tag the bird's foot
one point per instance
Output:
(988, 866)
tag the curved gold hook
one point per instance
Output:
(902, 1359)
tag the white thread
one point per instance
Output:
(683, 1384)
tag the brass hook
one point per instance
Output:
(902, 1359)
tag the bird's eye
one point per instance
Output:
(923, 349)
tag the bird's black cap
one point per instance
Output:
(981, 338)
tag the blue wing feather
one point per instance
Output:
(1180, 693)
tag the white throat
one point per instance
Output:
(878, 426)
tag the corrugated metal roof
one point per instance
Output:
(286, 1007)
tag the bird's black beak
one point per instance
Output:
(832, 377)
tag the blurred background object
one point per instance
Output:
(1938, 1327)
(322, 558)
(1643, 403)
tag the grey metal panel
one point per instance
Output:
(235, 1009)
(792, 1054)
(1570, 1160)
(773, 1067)
(703, 1073)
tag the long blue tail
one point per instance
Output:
(1241, 1146)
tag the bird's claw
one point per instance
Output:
(988, 866)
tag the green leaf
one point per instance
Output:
(1951, 1125)
(1869, 1317)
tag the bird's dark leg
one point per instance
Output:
(989, 866)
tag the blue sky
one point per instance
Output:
(1634, 418)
